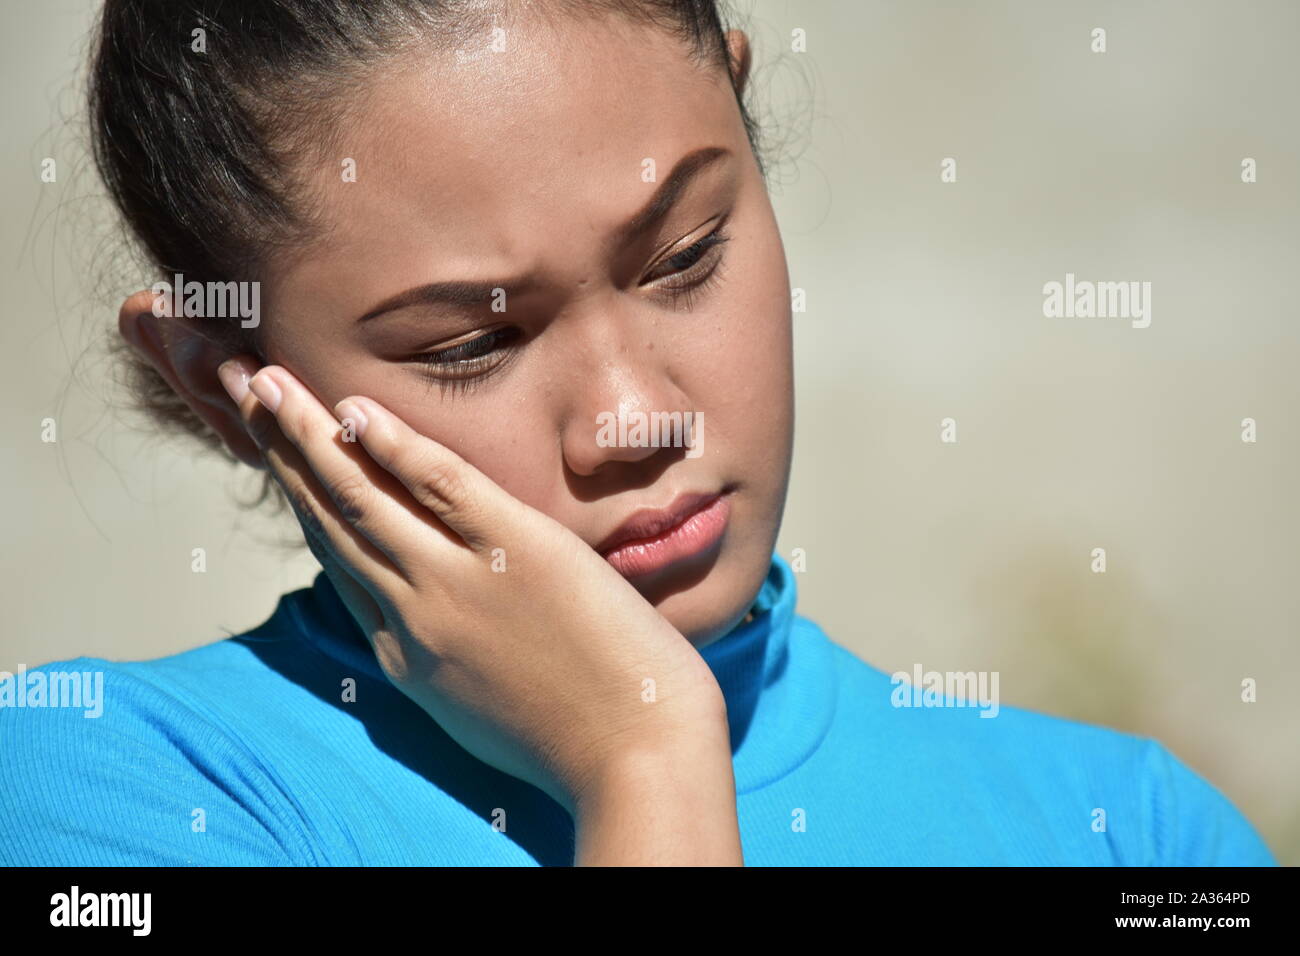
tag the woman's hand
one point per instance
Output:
(525, 645)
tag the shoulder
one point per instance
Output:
(120, 763)
(1192, 822)
(1149, 806)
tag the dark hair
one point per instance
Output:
(194, 147)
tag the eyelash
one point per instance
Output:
(464, 367)
(468, 366)
(683, 284)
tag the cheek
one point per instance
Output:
(756, 383)
(504, 439)
(744, 370)
(754, 303)
(507, 445)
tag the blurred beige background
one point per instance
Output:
(924, 301)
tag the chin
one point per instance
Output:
(706, 598)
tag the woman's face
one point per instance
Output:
(526, 170)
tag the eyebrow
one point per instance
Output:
(464, 293)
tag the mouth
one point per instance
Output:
(652, 539)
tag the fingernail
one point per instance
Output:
(349, 409)
(234, 377)
(267, 392)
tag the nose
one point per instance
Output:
(623, 402)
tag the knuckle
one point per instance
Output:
(442, 482)
(306, 428)
(305, 508)
(352, 495)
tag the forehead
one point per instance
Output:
(465, 153)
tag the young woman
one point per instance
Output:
(478, 233)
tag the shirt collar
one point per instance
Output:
(779, 688)
(777, 675)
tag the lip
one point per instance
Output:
(653, 538)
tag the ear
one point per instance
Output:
(741, 55)
(187, 359)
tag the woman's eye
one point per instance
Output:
(688, 258)
(468, 356)
(685, 271)
(692, 270)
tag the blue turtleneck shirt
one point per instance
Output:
(253, 751)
